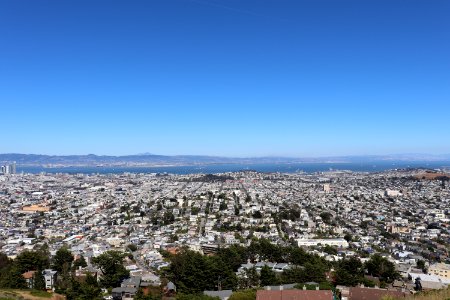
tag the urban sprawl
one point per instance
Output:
(268, 235)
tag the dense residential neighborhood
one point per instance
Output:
(329, 234)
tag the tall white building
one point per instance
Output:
(8, 168)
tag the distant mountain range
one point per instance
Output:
(186, 160)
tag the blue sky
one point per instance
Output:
(225, 77)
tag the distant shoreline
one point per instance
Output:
(309, 167)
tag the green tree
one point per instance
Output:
(11, 277)
(193, 273)
(257, 215)
(198, 296)
(62, 259)
(38, 280)
(421, 265)
(294, 275)
(43, 250)
(379, 266)
(132, 247)
(298, 256)
(249, 279)
(315, 270)
(80, 262)
(330, 250)
(111, 265)
(169, 218)
(89, 289)
(140, 296)
(268, 276)
(64, 277)
(326, 217)
(236, 211)
(4, 261)
(233, 256)
(348, 237)
(72, 291)
(31, 260)
(86, 290)
(243, 295)
(265, 250)
(173, 238)
(349, 272)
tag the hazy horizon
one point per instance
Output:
(225, 156)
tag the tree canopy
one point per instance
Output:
(31, 261)
(349, 272)
(111, 265)
(193, 272)
(381, 267)
(62, 259)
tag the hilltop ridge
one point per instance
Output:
(147, 159)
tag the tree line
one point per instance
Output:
(194, 273)
(86, 287)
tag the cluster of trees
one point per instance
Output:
(86, 288)
(193, 272)
(351, 271)
(111, 265)
(238, 295)
(251, 279)
(38, 260)
(286, 214)
(381, 267)
(11, 270)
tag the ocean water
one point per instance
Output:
(373, 166)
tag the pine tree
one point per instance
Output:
(80, 262)
(268, 276)
(11, 277)
(63, 257)
(38, 281)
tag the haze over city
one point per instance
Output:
(227, 78)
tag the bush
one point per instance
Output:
(42, 294)
(244, 295)
(132, 247)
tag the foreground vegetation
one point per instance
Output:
(28, 294)
(110, 263)
(193, 273)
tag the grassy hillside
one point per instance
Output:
(432, 295)
(429, 295)
(28, 295)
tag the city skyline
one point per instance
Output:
(225, 78)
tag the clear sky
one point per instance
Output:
(225, 77)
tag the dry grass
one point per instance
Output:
(429, 295)
(433, 295)
(28, 295)
(431, 175)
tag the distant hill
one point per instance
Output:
(185, 160)
(140, 159)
